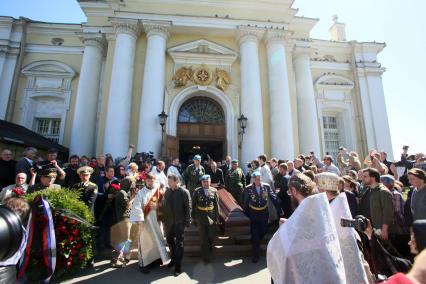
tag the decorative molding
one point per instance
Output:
(53, 49)
(277, 35)
(126, 26)
(248, 33)
(303, 50)
(157, 28)
(331, 81)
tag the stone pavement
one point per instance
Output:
(223, 269)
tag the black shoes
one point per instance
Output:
(177, 272)
(144, 269)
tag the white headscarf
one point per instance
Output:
(306, 249)
(355, 272)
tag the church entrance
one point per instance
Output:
(201, 129)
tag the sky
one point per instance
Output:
(399, 23)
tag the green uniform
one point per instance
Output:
(235, 182)
(205, 212)
(191, 177)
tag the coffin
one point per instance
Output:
(234, 221)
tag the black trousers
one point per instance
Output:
(175, 237)
(258, 228)
(206, 233)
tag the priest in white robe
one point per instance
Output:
(151, 245)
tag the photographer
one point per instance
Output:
(8, 266)
(47, 180)
(52, 162)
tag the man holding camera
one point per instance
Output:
(47, 179)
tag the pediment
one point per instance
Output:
(201, 52)
(202, 46)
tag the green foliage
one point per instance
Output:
(74, 240)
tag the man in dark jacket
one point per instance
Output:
(71, 175)
(7, 168)
(176, 208)
(215, 174)
(26, 162)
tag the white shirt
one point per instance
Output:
(173, 170)
(160, 177)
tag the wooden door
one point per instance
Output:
(172, 146)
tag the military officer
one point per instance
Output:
(47, 179)
(236, 182)
(205, 214)
(88, 189)
(256, 204)
(192, 174)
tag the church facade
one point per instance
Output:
(99, 86)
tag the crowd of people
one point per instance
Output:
(162, 198)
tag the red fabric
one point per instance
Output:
(399, 278)
(157, 196)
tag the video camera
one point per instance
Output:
(360, 223)
(11, 233)
(40, 166)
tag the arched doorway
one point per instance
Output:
(201, 129)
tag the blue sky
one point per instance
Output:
(400, 24)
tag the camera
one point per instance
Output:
(11, 233)
(40, 166)
(360, 223)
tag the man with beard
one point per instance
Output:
(71, 175)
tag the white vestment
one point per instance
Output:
(151, 242)
(305, 249)
(160, 177)
(352, 259)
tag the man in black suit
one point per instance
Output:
(26, 162)
(216, 175)
(7, 168)
(227, 165)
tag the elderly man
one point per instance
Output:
(47, 180)
(174, 168)
(25, 164)
(7, 168)
(192, 174)
(258, 196)
(417, 178)
(227, 165)
(216, 175)
(327, 166)
(160, 176)
(205, 214)
(19, 187)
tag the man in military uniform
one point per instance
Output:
(205, 214)
(192, 174)
(88, 189)
(236, 182)
(47, 179)
(256, 204)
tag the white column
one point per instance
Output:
(309, 138)
(251, 94)
(373, 101)
(83, 129)
(7, 68)
(149, 134)
(117, 127)
(280, 114)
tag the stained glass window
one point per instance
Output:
(201, 110)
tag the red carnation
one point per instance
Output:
(78, 246)
(115, 186)
(82, 256)
(75, 232)
(70, 238)
(73, 222)
(73, 252)
(17, 192)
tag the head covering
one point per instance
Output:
(197, 157)
(419, 173)
(205, 177)
(327, 181)
(234, 161)
(85, 170)
(255, 174)
(387, 179)
(49, 172)
(352, 262)
(293, 250)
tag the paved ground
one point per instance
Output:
(220, 270)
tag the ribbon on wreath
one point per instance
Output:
(41, 243)
(156, 197)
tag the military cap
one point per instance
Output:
(255, 174)
(234, 161)
(85, 170)
(197, 157)
(419, 173)
(49, 172)
(327, 181)
(205, 177)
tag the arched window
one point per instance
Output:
(201, 110)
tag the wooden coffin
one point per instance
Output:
(234, 221)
